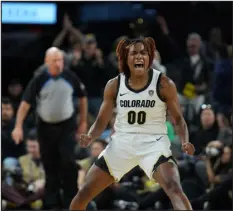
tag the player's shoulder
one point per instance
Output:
(113, 82)
(167, 88)
(113, 85)
(166, 82)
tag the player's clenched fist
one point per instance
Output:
(85, 140)
(188, 148)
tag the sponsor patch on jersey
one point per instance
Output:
(151, 92)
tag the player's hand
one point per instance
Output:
(17, 135)
(82, 129)
(85, 140)
(188, 148)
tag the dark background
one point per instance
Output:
(23, 46)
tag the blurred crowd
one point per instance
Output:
(203, 77)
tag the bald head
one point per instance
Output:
(51, 51)
(54, 60)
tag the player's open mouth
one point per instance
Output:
(139, 65)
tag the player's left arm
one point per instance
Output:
(168, 92)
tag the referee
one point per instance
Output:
(52, 92)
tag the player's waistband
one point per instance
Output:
(139, 133)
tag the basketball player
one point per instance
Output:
(142, 96)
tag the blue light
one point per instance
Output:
(29, 13)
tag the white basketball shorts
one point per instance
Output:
(127, 150)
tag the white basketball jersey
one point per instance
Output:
(140, 111)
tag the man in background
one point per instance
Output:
(9, 149)
(91, 65)
(52, 92)
(24, 180)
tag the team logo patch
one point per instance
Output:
(151, 92)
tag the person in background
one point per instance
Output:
(157, 63)
(27, 175)
(72, 50)
(73, 34)
(92, 66)
(193, 75)
(225, 132)
(9, 149)
(215, 47)
(223, 81)
(112, 61)
(204, 136)
(15, 91)
(219, 177)
(31, 165)
(96, 148)
(52, 93)
(208, 130)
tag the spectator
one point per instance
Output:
(15, 91)
(91, 66)
(219, 174)
(9, 149)
(157, 63)
(112, 61)
(74, 35)
(215, 48)
(223, 81)
(96, 148)
(31, 165)
(208, 130)
(73, 50)
(225, 133)
(204, 136)
(195, 76)
(28, 181)
(75, 55)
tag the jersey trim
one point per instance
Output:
(162, 159)
(157, 88)
(118, 84)
(118, 87)
(150, 72)
(101, 163)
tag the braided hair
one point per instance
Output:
(122, 51)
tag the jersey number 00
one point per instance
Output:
(139, 117)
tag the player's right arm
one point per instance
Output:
(104, 116)
(24, 107)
